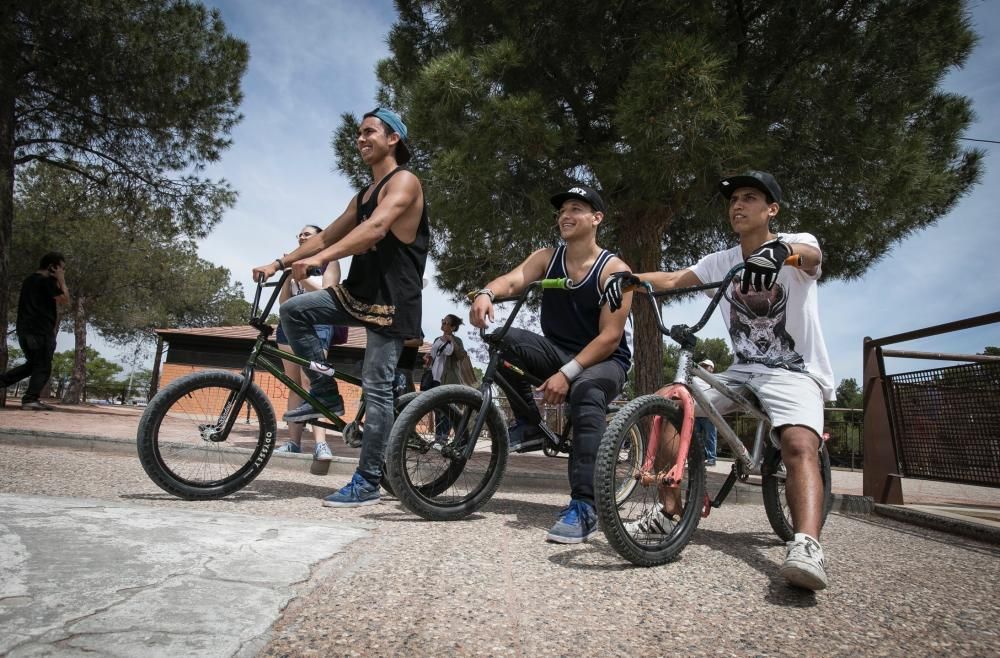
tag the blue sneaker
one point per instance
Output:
(357, 493)
(524, 437)
(290, 448)
(576, 524)
(305, 411)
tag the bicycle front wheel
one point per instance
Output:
(636, 526)
(182, 442)
(424, 459)
(630, 458)
(773, 479)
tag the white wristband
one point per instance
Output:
(572, 369)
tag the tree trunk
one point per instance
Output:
(641, 251)
(78, 380)
(8, 52)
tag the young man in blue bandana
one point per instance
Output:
(386, 230)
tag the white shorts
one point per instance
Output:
(788, 398)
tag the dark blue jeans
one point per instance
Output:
(709, 436)
(298, 317)
(589, 396)
(38, 350)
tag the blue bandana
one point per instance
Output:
(392, 120)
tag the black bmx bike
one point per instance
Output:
(448, 448)
(209, 434)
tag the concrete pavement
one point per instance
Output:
(82, 575)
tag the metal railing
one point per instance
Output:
(940, 424)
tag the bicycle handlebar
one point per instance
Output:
(258, 319)
(544, 284)
(262, 283)
(684, 334)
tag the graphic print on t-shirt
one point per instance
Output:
(757, 327)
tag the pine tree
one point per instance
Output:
(135, 95)
(652, 102)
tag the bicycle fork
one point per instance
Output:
(648, 474)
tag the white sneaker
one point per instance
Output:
(321, 452)
(651, 526)
(803, 565)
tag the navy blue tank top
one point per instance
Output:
(384, 288)
(572, 318)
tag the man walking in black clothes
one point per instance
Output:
(36, 327)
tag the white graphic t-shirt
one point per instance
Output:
(776, 328)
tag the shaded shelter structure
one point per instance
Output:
(227, 348)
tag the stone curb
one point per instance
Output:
(519, 475)
(941, 520)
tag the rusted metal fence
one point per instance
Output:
(947, 423)
(939, 424)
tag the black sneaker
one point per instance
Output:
(525, 437)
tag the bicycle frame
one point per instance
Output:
(686, 394)
(259, 357)
(498, 363)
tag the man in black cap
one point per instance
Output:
(582, 354)
(773, 319)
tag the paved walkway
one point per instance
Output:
(93, 556)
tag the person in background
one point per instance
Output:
(449, 363)
(704, 427)
(330, 276)
(37, 324)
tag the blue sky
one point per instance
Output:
(311, 60)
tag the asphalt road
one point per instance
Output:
(88, 543)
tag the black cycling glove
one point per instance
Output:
(616, 287)
(763, 265)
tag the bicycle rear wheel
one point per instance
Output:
(180, 441)
(423, 461)
(773, 477)
(626, 522)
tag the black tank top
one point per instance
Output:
(384, 287)
(572, 318)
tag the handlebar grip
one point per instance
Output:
(314, 271)
(557, 284)
(795, 260)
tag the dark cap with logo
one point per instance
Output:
(583, 193)
(760, 180)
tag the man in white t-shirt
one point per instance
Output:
(772, 316)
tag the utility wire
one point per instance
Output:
(988, 141)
